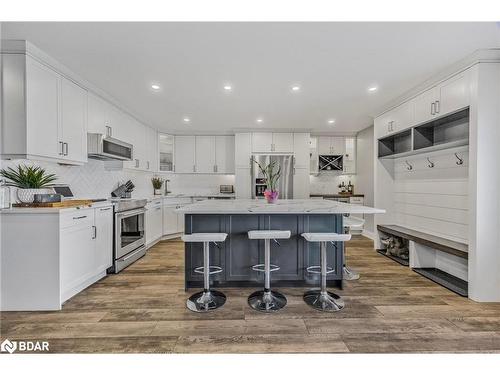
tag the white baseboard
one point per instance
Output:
(368, 234)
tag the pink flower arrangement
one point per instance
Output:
(271, 195)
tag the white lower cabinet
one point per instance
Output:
(173, 222)
(154, 221)
(65, 252)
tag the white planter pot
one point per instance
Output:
(28, 195)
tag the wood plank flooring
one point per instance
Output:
(142, 310)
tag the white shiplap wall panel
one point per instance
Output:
(433, 200)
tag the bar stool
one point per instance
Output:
(207, 299)
(322, 299)
(356, 223)
(267, 300)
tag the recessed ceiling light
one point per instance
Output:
(228, 87)
(186, 119)
(259, 120)
(331, 121)
(155, 87)
(372, 88)
(296, 88)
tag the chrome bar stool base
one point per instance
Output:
(349, 274)
(267, 301)
(323, 301)
(206, 301)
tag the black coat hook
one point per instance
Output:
(409, 166)
(431, 164)
(460, 161)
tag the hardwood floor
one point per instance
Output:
(142, 310)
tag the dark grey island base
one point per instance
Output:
(238, 254)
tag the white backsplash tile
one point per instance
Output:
(327, 183)
(92, 180)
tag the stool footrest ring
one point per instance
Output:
(212, 270)
(262, 268)
(317, 269)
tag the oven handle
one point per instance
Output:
(122, 215)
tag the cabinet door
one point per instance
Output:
(262, 142)
(169, 220)
(96, 114)
(454, 94)
(152, 150)
(423, 104)
(243, 143)
(154, 221)
(324, 145)
(350, 149)
(184, 150)
(77, 254)
(74, 121)
(338, 145)
(313, 155)
(283, 142)
(42, 110)
(301, 142)
(243, 182)
(401, 118)
(103, 238)
(117, 122)
(224, 154)
(301, 183)
(205, 154)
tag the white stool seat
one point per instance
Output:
(268, 234)
(204, 237)
(352, 222)
(326, 237)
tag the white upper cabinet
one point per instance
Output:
(42, 111)
(331, 145)
(262, 142)
(425, 105)
(73, 127)
(152, 163)
(205, 154)
(272, 142)
(224, 154)
(283, 142)
(97, 116)
(349, 162)
(184, 150)
(454, 93)
(243, 143)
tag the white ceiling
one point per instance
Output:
(334, 64)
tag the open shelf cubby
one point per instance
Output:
(447, 130)
(395, 144)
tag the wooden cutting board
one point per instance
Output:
(63, 204)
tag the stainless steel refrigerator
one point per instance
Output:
(285, 182)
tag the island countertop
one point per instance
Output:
(283, 206)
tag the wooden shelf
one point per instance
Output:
(450, 282)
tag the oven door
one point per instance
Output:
(129, 231)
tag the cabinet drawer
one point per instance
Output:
(356, 200)
(77, 218)
(175, 201)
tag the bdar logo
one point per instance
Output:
(8, 346)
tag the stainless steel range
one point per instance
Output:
(130, 235)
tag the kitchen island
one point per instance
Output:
(238, 253)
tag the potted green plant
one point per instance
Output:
(157, 184)
(271, 176)
(29, 180)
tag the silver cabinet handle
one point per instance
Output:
(79, 217)
(94, 231)
(137, 163)
(67, 148)
(147, 164)
(437, 106)
(61, 151)
(158, 208)
(214, 168)
(194, 168)
(433, 108)
(105, 209)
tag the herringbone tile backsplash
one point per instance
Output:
(92, 180)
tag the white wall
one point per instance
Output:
(364, 170)
(93, 181)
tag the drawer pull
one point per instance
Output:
(79, 217)
(105, 209)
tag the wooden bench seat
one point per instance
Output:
(448, 246)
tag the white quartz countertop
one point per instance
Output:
(283, 206)
(52, 210)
